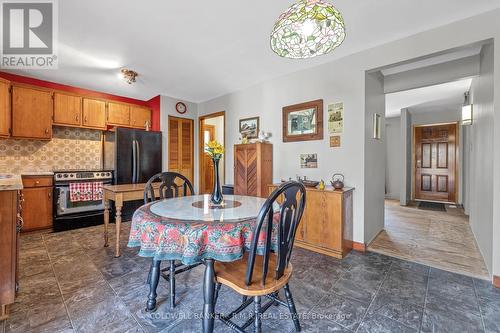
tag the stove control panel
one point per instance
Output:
(83, 175)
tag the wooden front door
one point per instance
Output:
(208, 166)
(181, 146)
(436, 162)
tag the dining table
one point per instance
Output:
(192, 230)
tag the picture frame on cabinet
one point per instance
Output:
(249, 127)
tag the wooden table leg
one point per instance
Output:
(118, 222)
(106, 222)
(208, 297)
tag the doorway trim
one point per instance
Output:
(201, 149)
(414, 162)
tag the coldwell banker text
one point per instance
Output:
(29, 34)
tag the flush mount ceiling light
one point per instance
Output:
(307, 29)
(128, 75)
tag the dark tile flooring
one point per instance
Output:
(69, 282)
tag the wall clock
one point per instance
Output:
(181, 107)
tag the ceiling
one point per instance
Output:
(441, 96)
(197, 50)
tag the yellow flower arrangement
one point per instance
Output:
(214, 149)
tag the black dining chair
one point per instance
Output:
(249, 275)
(163, 186)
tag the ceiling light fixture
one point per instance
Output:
(128, 75)
(307, 29)
(466, 110)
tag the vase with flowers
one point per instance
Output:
(215, 150)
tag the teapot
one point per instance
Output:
(337, 181)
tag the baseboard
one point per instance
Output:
(496, 281)
(360, 247)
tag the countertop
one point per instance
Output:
(10, 182)
(37, 173)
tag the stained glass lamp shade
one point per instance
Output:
(307, 29)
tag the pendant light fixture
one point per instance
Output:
(307, 29)
(466, 110)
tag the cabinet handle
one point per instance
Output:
(46, 131)
(85, 119)
(37, 182)
(50, 195)
(76, 118)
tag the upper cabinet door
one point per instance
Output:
(94, 113)
(118, 114)
(31, 113)
(139, 116)
(4, 108)
(67, 109)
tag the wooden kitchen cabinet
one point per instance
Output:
(118, 114)
(5, 112)
(31, 113)
(139, 116)
(94, 113)
(9, 223)
(67, 109)
(253, 169)
(38, 202)
(327, 225)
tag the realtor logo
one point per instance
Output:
(28, 32)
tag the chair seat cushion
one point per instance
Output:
(232, 274)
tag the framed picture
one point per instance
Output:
(303, 122)
(336, 118)
(308, 161)
(377, 126)
(335, 141)
(249, 127)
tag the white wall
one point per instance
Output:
(344, 80)
(167, 108)
(482, 150)
(406, 158)
(394, 153)
(375, 153)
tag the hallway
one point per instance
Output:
(439, 239)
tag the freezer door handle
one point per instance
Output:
(138, 161)
(134, 162)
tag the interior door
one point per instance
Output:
(208, 167)
(436, 162)
(181, 146)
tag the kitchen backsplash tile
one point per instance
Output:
(70, 148)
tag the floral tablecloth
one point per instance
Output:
(190, 242)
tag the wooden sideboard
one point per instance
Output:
(253, 168)
(326, 225)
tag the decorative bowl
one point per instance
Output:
(309, 183)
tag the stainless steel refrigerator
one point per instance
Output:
(135, 156)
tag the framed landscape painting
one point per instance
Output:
(303, 122)
(308, 161)
(249, 127)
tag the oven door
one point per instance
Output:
(64, 206)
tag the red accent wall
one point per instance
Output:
(153, 103)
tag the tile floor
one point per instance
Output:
(70, 283)
(438, 239)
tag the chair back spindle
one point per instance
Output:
(293, 195)
(171, 184)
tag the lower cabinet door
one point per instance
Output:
(37, 208)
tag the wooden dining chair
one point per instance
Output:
(249, 275)
(172, 185)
